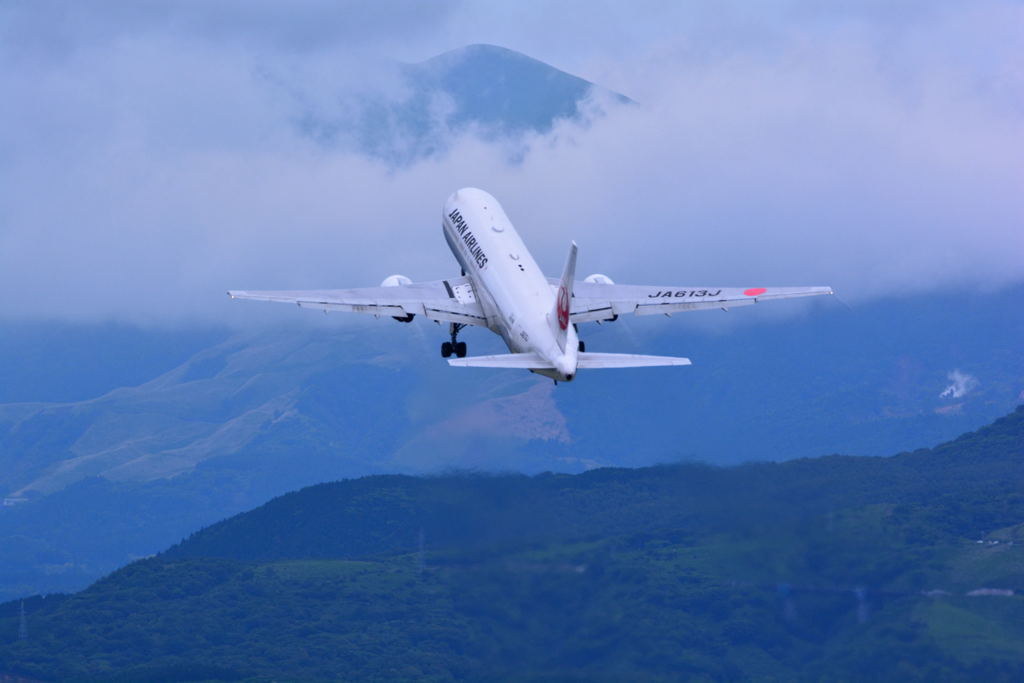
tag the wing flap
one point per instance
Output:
(592, 314)
(601, 301)
(455, 313)
(443, 300)
(373, 309)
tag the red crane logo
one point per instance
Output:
(563, 307)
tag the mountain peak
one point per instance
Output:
(478, 51)
(503, 90)
(494, 58)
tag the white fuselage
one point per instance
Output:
(516, 297)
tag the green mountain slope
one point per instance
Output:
(842, 568)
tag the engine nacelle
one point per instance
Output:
(398, 281)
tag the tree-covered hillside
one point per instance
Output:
(386, 514)
(840, 568)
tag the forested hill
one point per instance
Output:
(390, 514)
(839, 568)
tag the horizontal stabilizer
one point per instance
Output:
(505, 360)
(626, 360)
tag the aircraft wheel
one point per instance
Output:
(446, 349)
(582, 347)
(460, 349)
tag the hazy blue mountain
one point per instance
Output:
(55, 362)
(127, 472)
(862, 382)
(497, 92)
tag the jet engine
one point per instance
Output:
(398, 281)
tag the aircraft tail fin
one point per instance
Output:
(593, 361)
(525, 361)
(559, 318)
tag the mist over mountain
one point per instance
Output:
(149, 170)
(492, 91)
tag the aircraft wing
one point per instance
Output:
(593, 301)
(451, 300)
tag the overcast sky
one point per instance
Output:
(150, 157)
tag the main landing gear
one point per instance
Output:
(454, 346)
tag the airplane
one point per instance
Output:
(502, 288)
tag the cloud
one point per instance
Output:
(61, 27)
(152, 156)
(961, 385)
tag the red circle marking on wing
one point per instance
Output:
(563, 308)
(755, 291)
